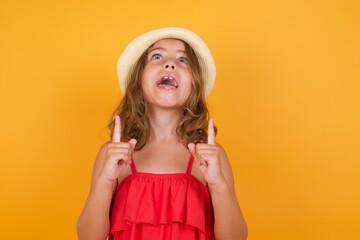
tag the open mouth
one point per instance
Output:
(167, 82)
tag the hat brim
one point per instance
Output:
(138, 46)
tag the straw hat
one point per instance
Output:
(139, 45)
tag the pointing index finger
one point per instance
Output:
(117, 130)
(211, 132)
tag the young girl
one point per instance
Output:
(163, 176)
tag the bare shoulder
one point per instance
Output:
(226, 166)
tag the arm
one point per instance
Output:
(93, 222)
(214, 164)
(229, 220)
(113, 157)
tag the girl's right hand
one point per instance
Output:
(118, 154)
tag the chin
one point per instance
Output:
(169, 106)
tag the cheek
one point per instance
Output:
(143, 86)
(144, 89)
(190, 83)
(188, 89)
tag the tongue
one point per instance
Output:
(167, 82)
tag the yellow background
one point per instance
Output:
(286, 102)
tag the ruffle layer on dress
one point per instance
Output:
(161, 206)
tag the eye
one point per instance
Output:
(155, 56)
(183, 60)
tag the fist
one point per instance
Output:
(118, 154)
(207, 157)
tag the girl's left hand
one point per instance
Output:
(207, 156)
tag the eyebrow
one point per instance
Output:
(164, 49)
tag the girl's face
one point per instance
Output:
(166, 79)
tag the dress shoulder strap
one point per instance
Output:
(132, 165)
(190, 163)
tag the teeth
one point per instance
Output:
(168, 80)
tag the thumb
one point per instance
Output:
(192, 148)
(132, 144)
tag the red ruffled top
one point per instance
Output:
(150, 206)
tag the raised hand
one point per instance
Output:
(207, 156)
(118, 154)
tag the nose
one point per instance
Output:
(169, 66)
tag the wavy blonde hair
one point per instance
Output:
(133, 111)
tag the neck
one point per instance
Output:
(163, 124)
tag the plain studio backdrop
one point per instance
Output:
(286, 101)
